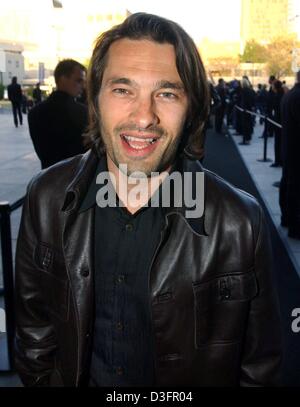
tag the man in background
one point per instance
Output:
(220, 110)
(57, 124)
(15, 96)
(37, 94)
(290, 184)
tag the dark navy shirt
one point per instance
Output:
(122, 353)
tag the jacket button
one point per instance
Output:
(119, 371)
(85, 272)
(119, 326)
(121, 278)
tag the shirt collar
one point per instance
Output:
(90, 198)
(197, 224)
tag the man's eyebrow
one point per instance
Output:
(121, 81)
(169, 85)
(163, 84)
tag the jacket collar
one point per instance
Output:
(78, 199)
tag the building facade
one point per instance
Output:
(264, 20)
(11, 63)
(48, 33)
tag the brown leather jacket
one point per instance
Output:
(214, 311)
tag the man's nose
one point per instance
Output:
(144, 113)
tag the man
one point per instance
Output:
(133, 294)
(15, 96)
(220, 111)
(247, 104)
(37, 94)
(269, 127)
(56, 125)
(261, 101)
(290, 186)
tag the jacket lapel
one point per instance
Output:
(78, 246)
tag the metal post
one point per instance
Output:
(243, 143)
(8, 277)
(265, 137)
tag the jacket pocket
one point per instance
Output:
(221, 308)
(53, 284)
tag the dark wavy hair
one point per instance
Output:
(66, 68)
(189, 65)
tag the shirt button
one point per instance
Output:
(129, 227)
(85, 272)
(119, 326)
(119, 371)
(121, 278)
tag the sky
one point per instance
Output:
(216, 19)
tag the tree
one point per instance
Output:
(254, 52)
(279, 56)
(223, 65)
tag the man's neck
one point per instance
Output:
(134, 192)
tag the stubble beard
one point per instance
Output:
(162, 161)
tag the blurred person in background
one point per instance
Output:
(37, 94)
(269, 128)
(290, 182)
(285, 87)
(57, 124)
(220, 110)
(261, 101)
(15, 95)
(276, 117)
(247, 103)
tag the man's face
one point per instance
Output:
(142, 105)
(73, 84)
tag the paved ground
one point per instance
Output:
(264, 176)
(18, 164)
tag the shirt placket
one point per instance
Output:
(120, 320)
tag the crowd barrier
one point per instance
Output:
(258, 115)
(8, 273)
(265, 134)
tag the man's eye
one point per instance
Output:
(168, 95)
(120, 91)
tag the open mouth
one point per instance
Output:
(139, 143)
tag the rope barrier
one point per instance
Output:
(258, 115)
(6, 257)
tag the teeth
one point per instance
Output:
(136, 148)
(130, 138)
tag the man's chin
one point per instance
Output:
(136, 171)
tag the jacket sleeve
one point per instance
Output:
(262, 353)
(9, 95)
(37, 135)
(35, 343)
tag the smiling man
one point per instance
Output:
(134, 294)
